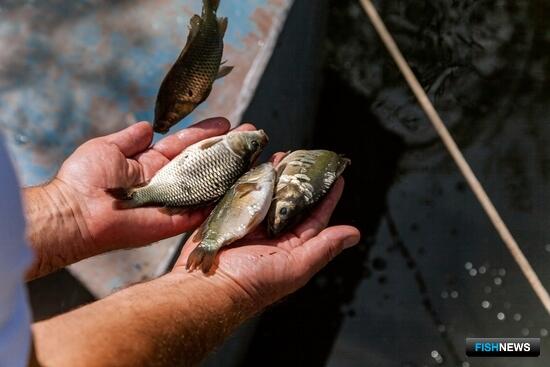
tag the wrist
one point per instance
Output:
(219, 284)
(55, 228)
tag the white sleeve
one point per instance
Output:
(15, 256)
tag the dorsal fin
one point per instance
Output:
(222, 26)
(207, 143)
(194, 27)
(245, 188)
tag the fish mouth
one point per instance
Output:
(161, 127)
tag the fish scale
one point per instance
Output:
(240, 211)
(304, 177)
(201, 178)
(201, 174)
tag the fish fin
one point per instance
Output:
(246, 188)
(210, 5)
(280, 168)
(194, 27)
(202, 256)
(171, 211)
(224, 71)
(201, 231)
(208, 143)
(342, 164)
(222, 26)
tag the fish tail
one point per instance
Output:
(203, 256)
(210, 5)
(342, 164)
(125, 198)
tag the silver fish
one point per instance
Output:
(241, 210)
(199, 175)
(304, 177)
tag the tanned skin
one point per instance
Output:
(178, 318)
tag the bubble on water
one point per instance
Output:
(498, 281)
(482, 269)
(454, 294)
(473, 272)
(517, 316)
(468, 265)
(487, 289)
(543, 332)
(437, 357)
(444, 294)
(486, 304)
(524, 331)
(547, 247)
(501, 316)
(502, 272)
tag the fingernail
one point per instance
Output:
(350, 241)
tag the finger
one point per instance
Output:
(172, 145)
(319, 218)
(133, 139)
(278, 157)
(321, 249)
(245, 127)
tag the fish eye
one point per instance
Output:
(283, 211)
(255, 144)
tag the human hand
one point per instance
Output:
(262, 270)
(125, 159)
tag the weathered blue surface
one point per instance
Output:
(71, 70)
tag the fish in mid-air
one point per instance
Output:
(189, 81)
(304, 177)
(199, 175)
(241, 210)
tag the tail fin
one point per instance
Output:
(125, 198)
(210, 5)
(203, 256)
(342, 164)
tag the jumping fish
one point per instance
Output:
(189, 81)
(242, 208)
(304, 177)
(199, 175)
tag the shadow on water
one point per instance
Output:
(439, 271)
(304, 326)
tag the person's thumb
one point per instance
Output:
(321, 249)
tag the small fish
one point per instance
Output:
(241, 210)
(199, 175)
(189, 81)
(304, 177)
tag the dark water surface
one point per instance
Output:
(431, 269)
